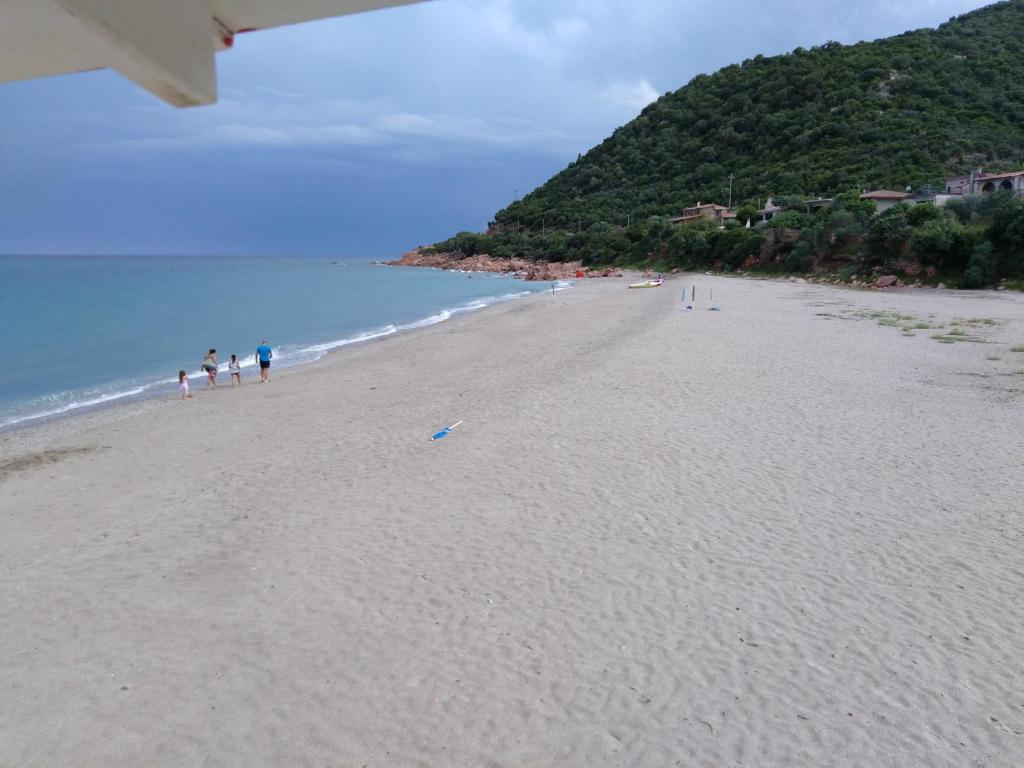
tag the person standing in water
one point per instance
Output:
(210, 366)
(263, 355)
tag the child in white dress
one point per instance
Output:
(183, 385)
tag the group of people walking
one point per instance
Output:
(210, 366)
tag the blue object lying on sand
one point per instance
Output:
(444, 432)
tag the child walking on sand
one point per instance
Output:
(183, 385)
(236, 371)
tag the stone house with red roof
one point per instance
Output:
(981, 183)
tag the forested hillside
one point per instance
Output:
(833, 120)
(903, 110)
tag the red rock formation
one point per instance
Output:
(528, 270)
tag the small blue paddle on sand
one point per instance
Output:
(444, 432)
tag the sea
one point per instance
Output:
(82, 332)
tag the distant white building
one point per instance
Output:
(884, 199)
(769, 212)
(718, 214)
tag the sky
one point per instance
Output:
(365, 136)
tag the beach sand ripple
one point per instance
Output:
(753, 537)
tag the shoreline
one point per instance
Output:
(546, 270)
(58, 426)
(140, 393)
(783, 533)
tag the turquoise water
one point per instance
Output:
(83, 331)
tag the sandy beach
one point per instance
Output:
(783, 534)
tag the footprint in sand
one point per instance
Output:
(1004, 727)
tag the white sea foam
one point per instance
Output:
(316, 351)
(74, 405)
(440, 317)
(283, 357)
(357, 339)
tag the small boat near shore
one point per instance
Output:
(648, 284)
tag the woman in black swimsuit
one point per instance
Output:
(210, 366)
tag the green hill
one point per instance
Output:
(833, 120)
(902, 110)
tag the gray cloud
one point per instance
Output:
(439, 110)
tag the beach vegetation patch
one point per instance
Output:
(954, 338)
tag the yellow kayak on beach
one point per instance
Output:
(647, 284)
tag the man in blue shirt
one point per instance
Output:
(263, 355)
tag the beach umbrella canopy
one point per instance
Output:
(166, 47)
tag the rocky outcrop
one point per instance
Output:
(522, 268)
